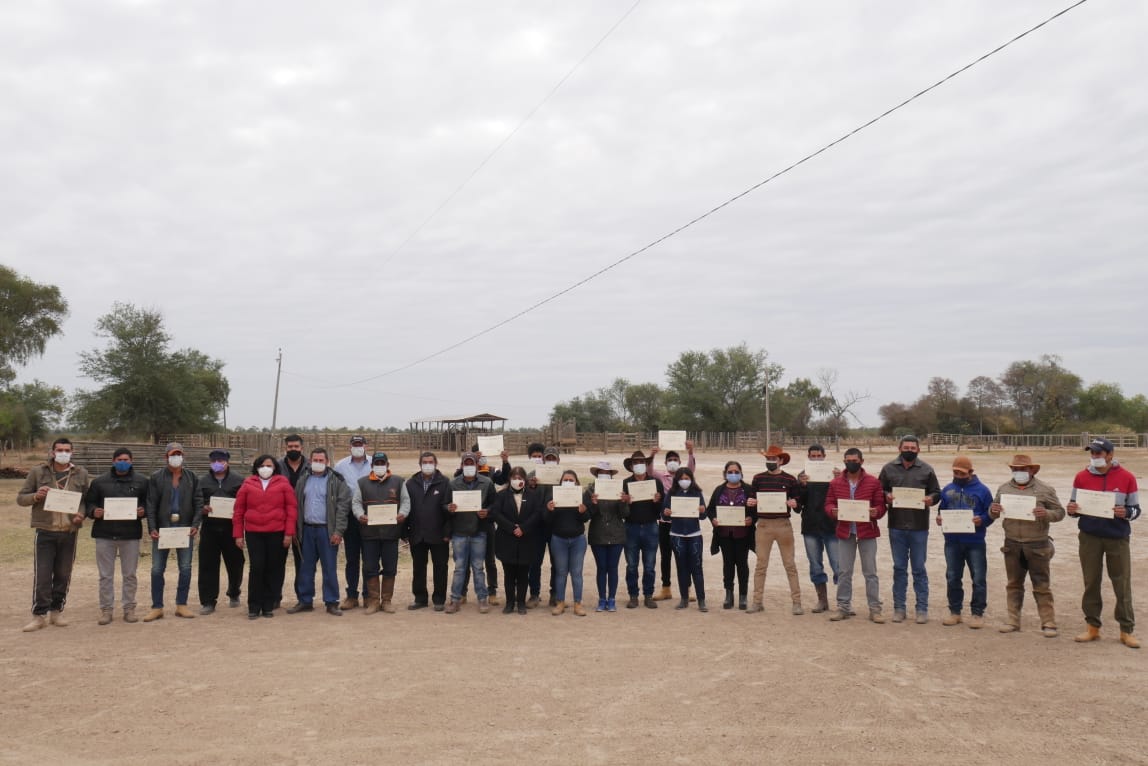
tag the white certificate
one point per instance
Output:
(567, 497)
(819, 471)
(772, 503)
(643, 490)
(909, 497)
(63, 501)
(386, 513)
(1018, 507)
(853, 510)
(608, 489)
(957, 521)
(222, 507)
(730, 515)
(466, 501)
(121, 509)
(1093, 503)
(490, 445)
(684, 507)
(548, 474)
(672, 440)
(174, 537)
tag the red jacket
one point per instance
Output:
(265, 510)
(868, 488)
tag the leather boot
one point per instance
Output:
(1129, 640)
(371, 597)
(153, 615)
(387, 594)
(181, 610)
(1090, 633)
(559, 608)
(105, 617)
(578, 609)
(663, 594)
(822, 604)
(728, 603)
(741, 601)
(349, 603)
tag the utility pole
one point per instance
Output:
(278, 374)
(768, 434)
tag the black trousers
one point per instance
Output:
(438, 553)
(735, 558)
(516, 579)
(215, 543)
(353, 550)
(666, 553)
(379, 557)
(265, 571)
(55, 555)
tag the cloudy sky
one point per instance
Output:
(260, 172)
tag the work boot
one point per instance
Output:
(741, 601)
(332, 609)
(650, 603)
(462, 600)
(898, 615)
(922, 618)
(702, 605)
(509, 608)
(493, 599)
(822, 604)
(663, 594)
(387, 595)
(728, 603)
(371, 596)
(976, 621)
(181, 610)
(350, 602)
(130, 616)
(840, 614)
(300, 607)
(105, 617)
(876, 616)
(153, 615)
(797, 610)
(452, 606)
(57, 619)
(632, 603)
(683, 603)
(37, 622)
(533, 602)
(755, 607)
(1129, 640)
(559, 608)
(578, 610)
(951, 620)
(483, 605)
(1090, 633)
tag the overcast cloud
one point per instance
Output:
(250, 169)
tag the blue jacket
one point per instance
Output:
(974, 495)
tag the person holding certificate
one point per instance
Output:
(518, 511)
(383, 493)
(173, 501)
(1027, 548)
(469, 524)
(1104, 537)
(215, 540)
(607, 534)
(909, 524)
(966, 493)
(116, 501)
(266, 512)
(684, 506)
(776, 493)
(857, 537)
(56, 528)
(567, 521)
(666, 477)
(818, 531)
(641, 528)
(733, 534)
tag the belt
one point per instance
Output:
(309, 524)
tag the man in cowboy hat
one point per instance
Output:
(641, 531)
(773, 527)
(1104, 540)
(909, 527)
(1027, 547)
(666, 477)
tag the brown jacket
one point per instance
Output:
(44, 476)
(1043, 495)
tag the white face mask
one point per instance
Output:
(469, 471)
(175, 461)
(358, 451)
(1098, 462)
(517, 483)
(265, 471)
(567, 483)
(428, 469)
(672, 465)
(536, 460)
(684, 483)
(317, 467)
(63, 458)
(1021, 477)
(639, 469)
(551, 462)
(380, 470)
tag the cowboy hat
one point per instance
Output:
(602, 467)
(628, 463)
(777, 452)
(1024, 461)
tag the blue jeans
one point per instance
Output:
(568, 555)
(317, 549)
(958, 554)
(469, 553)
(159, 563)
(688, 552)
(909, 548)
(606, 558)
(641, 540)
(815, 545)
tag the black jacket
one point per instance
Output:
(428, 522)
(511, 549)
(228, 486)
(811, 505)
(159, 492)
(112, 484)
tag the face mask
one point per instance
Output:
(63, 458)
(685, 483)
(293, 455)
(218, 466)
(469, 471)
(639, 469)
(672, 465)
(428, 469)
(1021, 477)
(908, 456)
(1098, 462)
(482, 460)
(175, 461)
(733, 478)
(358, 451)
(961, 481)
(852, 467)
(517, 484)
(772, 466)
(380, 470)
(123, 466)
(551, 462)
(537, 460)
(317, 467)
(266, 471)
(567, 483)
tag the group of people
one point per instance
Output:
(482, 515)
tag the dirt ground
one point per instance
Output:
(638, 686)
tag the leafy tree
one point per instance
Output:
(645, 403)
(985, 398)
(30, 411)
(30, 314)
(792, 408)
(591, 412)
(147, 388)
(1043, 394)
(1102, 404)
(719, 391)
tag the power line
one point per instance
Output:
(727, 203)
(450, 197)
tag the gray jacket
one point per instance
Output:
(338, 502)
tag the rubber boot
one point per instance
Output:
(822, 604)
(387, 594)
(728, 603)
(371, 597)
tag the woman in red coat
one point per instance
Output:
(265, 516)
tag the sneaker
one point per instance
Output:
(452, 607)
(632, 603)
(898, 615)
(207, 609)
(105, 617)
(601, 605)
(1049, 631)
(951, 620)
(416, 605)
(651, 603)
(612, 605)
(334, 610)
(233, 603)
(301, 607)
(37, 623)
(533, 602)
(483, 605)
(1009, 627)
(797, 610)
(877, 617)
(976, 622)
(922, 618)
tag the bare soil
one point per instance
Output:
(638, 686)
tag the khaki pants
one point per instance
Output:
(768, 532)
(1032, 559)
(1095, 552)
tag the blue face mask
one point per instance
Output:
(123, 466)
(733, 478)
(218, 466)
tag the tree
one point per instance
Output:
(30, 411)
(792, 408)
(1102, 404)
(591, 412)
(30, 314)
(147, 388)
(838, 405)
(719, 391)
(1043, 394)
(645, 402)
(985, 398)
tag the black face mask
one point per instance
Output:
(852, 467)
(962, 481)
(294, 454)
(772, 466)
(908, 457)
